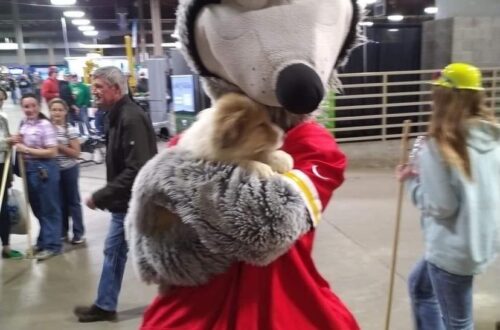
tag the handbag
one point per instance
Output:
(18, 212)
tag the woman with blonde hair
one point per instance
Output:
(67, 158)
(454, 180)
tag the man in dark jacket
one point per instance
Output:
(131, 143)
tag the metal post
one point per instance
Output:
(21, 55)
(365, 52)
(131, 65)
(51, 55)
(494, 92)
(65, 36)
(142, 33)
(156, 24)
(384, 106)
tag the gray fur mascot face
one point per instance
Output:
(281, 53)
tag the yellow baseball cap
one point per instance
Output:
(460, 76)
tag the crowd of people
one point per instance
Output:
(50, 147)
(22, 84)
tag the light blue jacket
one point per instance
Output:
(460, 217)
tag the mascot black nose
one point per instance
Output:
(299, 89)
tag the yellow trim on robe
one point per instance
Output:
(309, 196)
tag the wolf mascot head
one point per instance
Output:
(280, 53)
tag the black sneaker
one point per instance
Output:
(93, 314)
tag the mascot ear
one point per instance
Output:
(252, 4)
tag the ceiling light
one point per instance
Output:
(8, 46)
(364, 3)
(431, 10)
(393, 30)
(90, 33)
(86, 28)
(74, 13)
(93, 55)
(366, 23)
(63, 2)
(81, 21)
(395, 18)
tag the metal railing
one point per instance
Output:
(374, 105)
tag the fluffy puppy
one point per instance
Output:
(238, 130)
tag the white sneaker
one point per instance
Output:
(44, 255)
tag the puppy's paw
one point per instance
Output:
(262, 170)
(280, 161)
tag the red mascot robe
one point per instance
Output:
(287, 294)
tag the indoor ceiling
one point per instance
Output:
(112, 18)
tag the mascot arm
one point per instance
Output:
(257, 221)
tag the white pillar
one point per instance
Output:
(21, 55)
(51, 55)
(156, 24)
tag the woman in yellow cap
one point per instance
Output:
(454, 179)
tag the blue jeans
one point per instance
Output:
(82, 119)
(44, 197)
(115, 258)
(99, 122)
(440, 300)
(70, 202)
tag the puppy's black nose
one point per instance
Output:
(299, 89)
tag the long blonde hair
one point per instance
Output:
(453, 109)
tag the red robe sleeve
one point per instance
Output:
(319, 165)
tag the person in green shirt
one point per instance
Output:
(81, 93)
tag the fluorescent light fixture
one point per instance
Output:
(364, 3)
(62, 2)
(86, 28)
(393, 30)
(168, 44)
(73, 13)
(81, 21)
(90, 33)
(431, 10)
(93, 55)
(8, 46)
(366, 23)
(395, 18)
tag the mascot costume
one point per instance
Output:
(239, 256)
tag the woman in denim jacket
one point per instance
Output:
(455, 182)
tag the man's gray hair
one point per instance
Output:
(113, 76)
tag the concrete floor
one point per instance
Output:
(352, 251)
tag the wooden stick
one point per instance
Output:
(5, 174)
(22, 170)
(404, 160)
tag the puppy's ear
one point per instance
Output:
(230, 129)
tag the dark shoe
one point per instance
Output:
(76, 240)
(93, 314)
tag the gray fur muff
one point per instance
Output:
(227, 216)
